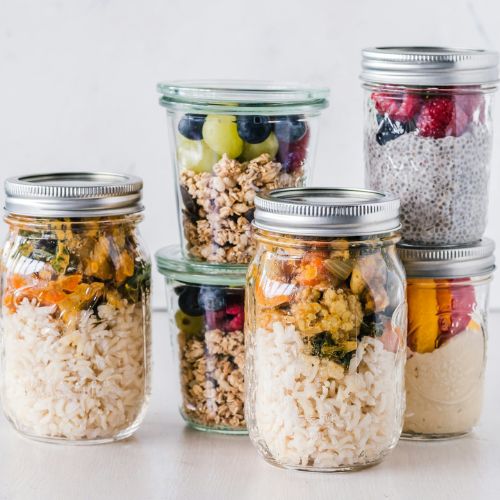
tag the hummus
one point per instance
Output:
(444, 388)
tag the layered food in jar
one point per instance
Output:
(325, 333)
(205, 305)
(230, 142)
(75, 311)
(428, 137)
(447, 330)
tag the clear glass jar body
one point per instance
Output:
(75, 328)
(206, 323)
(218, 173)
(325, 335)
(431, 146)
(447, 331)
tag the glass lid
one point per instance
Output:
(242, 96)
(172, 264)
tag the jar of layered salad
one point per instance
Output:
(428, 137)
(75, 314)
(325, 329)
(447, 326)
(206, 312)
(229, 141)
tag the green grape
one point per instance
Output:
(270, 146)
(221, 134)
(190, 325)
(195, 155)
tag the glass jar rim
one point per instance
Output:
(242, 97)
(172, 264)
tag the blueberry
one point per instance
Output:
(389, 130)
(249, 214)
(189, 300)
(212, 298)
(253, 129)
(290, 128)
(190, 126)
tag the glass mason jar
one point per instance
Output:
(75, 358)
(428, 137)
(230, 140)
(206, 312)
(325, 329)
(447, 328)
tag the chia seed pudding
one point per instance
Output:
(442, 183)
(428, 137)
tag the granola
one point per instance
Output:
(219, 206)
(212, 379)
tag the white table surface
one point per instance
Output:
(167, 460)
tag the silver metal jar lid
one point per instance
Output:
(73, 194)
(448, 262)
(429, 66)
(327, 212)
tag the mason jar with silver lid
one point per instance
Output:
(325, 331)
(448, 292)
(428, 137)
(75, 310)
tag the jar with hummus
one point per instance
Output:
(447, 329)
(325, 329)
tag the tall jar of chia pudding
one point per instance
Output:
(229, 141)
(447, 328)
(428, 137)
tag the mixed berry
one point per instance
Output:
(429, 115)
(204, 307)
(205, 138)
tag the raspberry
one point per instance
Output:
(293, 155)
(468, 102)
(237, 321)
(398, 107)
(385, 103)
(458, 123)
(434, 117)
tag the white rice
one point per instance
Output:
(311, 412)
(89, 382)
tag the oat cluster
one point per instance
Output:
(212, 379)
(219, 205)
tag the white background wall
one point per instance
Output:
(77, 79)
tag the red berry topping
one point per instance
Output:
(469, 102)
(458, 314)
(236, 322)
(458, 123)
(434, 117)
(398, 107)
(293, 155)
